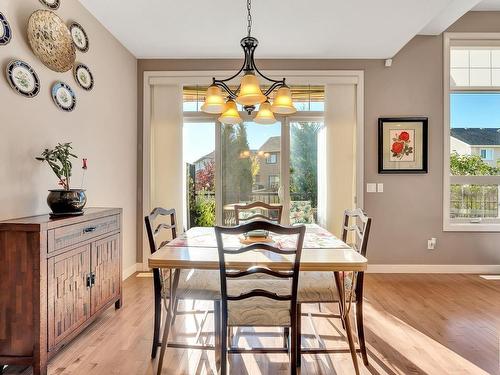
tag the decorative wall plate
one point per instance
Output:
(52, 4)
(63, 96)
(23, 78)
(79, 36)
(84, 77)
(51, 41)
(5, 30)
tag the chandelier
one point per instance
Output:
(221, 100)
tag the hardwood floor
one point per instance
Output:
(415, 324)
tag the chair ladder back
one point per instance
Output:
(256, 205)
(292, 273)
(352, 218)
(161, 215)
(360, 232)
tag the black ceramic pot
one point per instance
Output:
(66, 201)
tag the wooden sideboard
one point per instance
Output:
(56, 277)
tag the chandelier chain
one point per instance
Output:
(249, 19)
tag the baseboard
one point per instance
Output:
(434, 268)
(129, 271)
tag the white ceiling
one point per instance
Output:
(488, 5)
(285, 28)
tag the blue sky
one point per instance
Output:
(475, 110)
(199, 138)
(467, 111)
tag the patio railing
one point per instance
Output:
(474, 201)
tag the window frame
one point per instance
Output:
(197, 117)
(269, 160)
(487, 151)
(178, 79)
(274, 177)
(462, 225)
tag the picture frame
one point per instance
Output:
(402, 145)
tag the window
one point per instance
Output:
(486, 154)
(242, 159)
(199, 159)
(274, 182)
(272, 159)
(474, 66)
(472, 133)
(304, 137)
(238, 164)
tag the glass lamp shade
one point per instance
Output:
(214, 101)
(230, 115)
(265, 116)
(283, 103)
(250, 92)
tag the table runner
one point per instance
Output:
(315, 238)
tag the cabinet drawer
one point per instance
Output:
(62, 237)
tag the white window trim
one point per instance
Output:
(488, 152)
(182, 78)
(458, 225)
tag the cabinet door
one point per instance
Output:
(68, 293)
(106, 264)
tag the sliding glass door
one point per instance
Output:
(240, 164)
(250, 162)
(200, 168)
(304, 172)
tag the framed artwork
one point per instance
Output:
(402, 145)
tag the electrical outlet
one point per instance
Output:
(431, 244)
(380, 187)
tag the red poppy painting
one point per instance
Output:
(402, 145)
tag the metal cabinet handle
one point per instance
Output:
(89, 281)
(89, 229)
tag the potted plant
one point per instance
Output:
(65, 201)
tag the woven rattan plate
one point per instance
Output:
(51, 41)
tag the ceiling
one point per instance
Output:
(488, 5)
(285, 29)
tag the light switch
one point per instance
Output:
(380, 187)
(371, 188)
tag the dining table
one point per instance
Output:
(322, 251)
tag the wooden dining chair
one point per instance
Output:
(257, 211)
(161, 228)
(323, 287)
(248, 302)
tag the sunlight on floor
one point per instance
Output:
(421, 352)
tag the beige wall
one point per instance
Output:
(410, 209)
(103, 126)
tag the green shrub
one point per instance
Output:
(204, 210)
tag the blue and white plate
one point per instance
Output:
(52, 4)
(84, 77)
(64, 97)
(80, 38)
(23, 78)
(5, 30)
